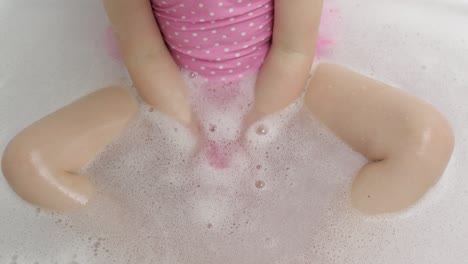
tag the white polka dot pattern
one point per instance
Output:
(218, 39)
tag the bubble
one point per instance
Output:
(212, 128)
(193, 75)
(209, 226)
(261, 130)
(259, 184)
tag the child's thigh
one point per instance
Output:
(79, 129)
(407, 142)
(45, 158)
(373, 117)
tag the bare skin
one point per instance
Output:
(286, 68)
(153, 70)
(42, 162)
(154, 73)
(406, 140)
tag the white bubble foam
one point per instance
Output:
(263, 197)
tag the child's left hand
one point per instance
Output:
(283, 76)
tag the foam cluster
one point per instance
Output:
(167, 196)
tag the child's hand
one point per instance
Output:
(283, 76)
(155, 74)
(168, 96)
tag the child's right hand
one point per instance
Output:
(156, 76)
(168, 96)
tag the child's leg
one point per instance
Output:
(406, 140)
(41, 163)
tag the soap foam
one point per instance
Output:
(162, 198)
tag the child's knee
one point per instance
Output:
(37, 180)
(430, 134)
(17, 166)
